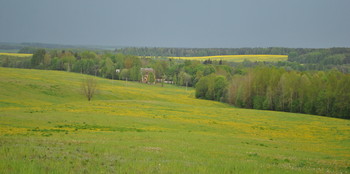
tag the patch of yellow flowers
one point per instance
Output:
(238, 58)
(16, 54)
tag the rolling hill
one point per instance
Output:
(48, 126)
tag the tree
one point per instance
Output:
(210, 94)
(38, 57)
(88, 55)
(125, 74)
(163, 79)
(220, 86)
(135, 73)
(151, 78)
(202, 87)
(56, 64)
(47, 60)
(160, 68)
(199, 75)
(175, 80)
(89, 86)
(131, 61)
(232, 91)
(107, 68)
(185, 78)
(68, 60)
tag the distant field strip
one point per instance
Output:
(239, 58)
(16, 54)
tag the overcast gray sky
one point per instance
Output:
(178, 23)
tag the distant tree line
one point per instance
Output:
(31, 47)
(282, 86)
(183, 73)
(301, 59)
(321, 58)
(31, 50)
(88, 62)
(189, 52)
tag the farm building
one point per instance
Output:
(146, 74)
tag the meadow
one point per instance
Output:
(48, 126)
(239, 58)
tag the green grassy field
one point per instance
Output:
(47, 126)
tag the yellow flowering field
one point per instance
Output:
(238, 58)
(48, 126)
(16, 54)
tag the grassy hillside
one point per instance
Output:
(46, 125)
(239, 58)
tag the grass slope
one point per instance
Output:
(46, 125)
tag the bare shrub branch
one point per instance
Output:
(88, 87)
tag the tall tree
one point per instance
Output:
(38, 57)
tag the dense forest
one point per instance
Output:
(271, 88)
(291, 86)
